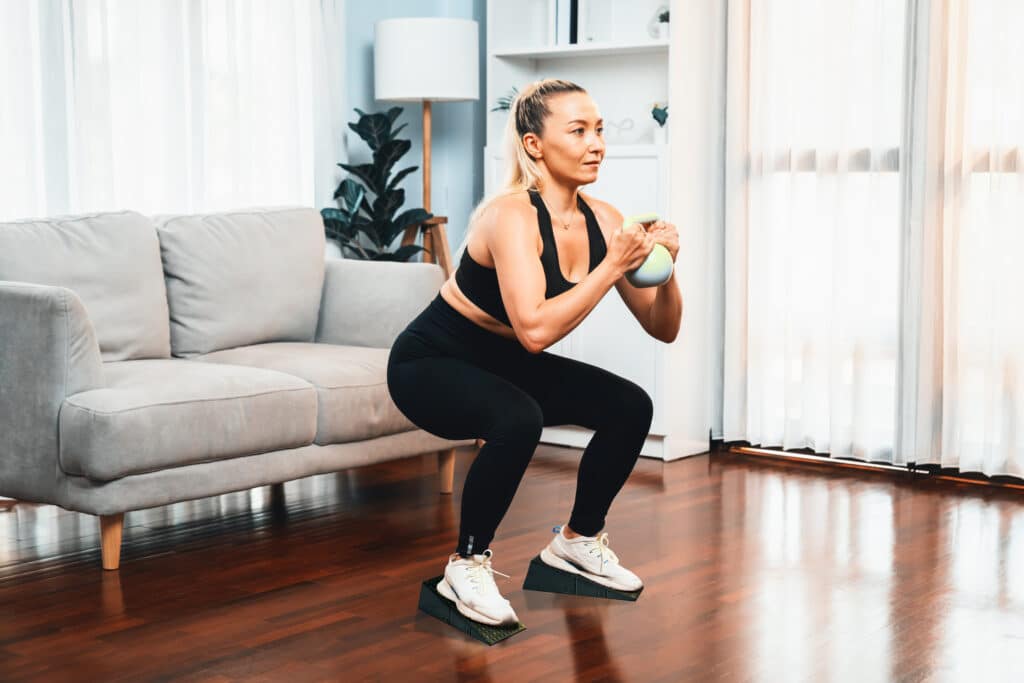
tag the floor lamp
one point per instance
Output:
(427, 59)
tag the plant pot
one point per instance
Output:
(662, 30)
(660, 135)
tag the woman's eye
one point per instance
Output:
(600, 131)
(578, 131)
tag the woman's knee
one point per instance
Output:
(521, 423)
(634, 406)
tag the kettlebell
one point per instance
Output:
(657, 268)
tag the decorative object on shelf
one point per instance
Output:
(659, 26)
(660, 115)
(566, 20)
(375, 221)
(443, 68)
(617, 129)
(504, 102)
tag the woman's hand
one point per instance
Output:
(629, 247)
(666, 235)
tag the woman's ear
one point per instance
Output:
(532, 144)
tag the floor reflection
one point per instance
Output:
(591, 658)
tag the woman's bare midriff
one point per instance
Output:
(451, 293)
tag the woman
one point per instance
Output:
(472, 365)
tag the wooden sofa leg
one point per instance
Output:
(446, 469)
(110, 529)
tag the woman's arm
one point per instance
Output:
(538, 322)
(659, 310)
(666, 311)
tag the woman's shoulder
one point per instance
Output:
(512, 202)
(608, 217)
(513, 208)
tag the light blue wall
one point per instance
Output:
(457, 127)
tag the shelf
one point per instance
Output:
(585, 50)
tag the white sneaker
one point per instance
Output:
(591, 557)
(469, 583)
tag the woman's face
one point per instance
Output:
(572, 141)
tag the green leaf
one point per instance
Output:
(367, 173)
(332, 214)
(336, 215)
(399, 176)
(385, 157)
(385, 205)
(393, 115)
(365, 226)
(406, 220)
(336, 224)
(660, 115)
(398, 130)
(374, 129)
(365, 206)
(352, 193)
(412, 217)
(374, 229)
(354, 247)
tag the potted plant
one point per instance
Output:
(365, 229)
(504, 102)
(660, 115)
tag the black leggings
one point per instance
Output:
(456, 380)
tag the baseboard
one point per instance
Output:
(655, 446)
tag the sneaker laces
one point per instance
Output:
(481, 571)
(600, 544)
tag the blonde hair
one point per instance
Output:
(527, 113)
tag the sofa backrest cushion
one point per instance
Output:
(242, 277)
(111, 261)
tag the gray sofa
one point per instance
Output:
(145, 361)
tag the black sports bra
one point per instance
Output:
(480, 283)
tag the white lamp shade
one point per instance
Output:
(426, 58)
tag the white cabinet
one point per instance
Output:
(625, 67)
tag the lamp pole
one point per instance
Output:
(426, 155)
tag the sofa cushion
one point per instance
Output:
(241, 278)
(155, 414)
(351, 385)
(111, 261)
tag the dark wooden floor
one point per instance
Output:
(754, 570)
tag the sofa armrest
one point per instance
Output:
(368, 303)
(48, 351)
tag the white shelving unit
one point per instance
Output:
(624, 65)
(585, 50)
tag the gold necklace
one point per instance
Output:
(565, 224)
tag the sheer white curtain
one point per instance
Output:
(964, 377)
(169, 106)
(812, 233)
(874, 209)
